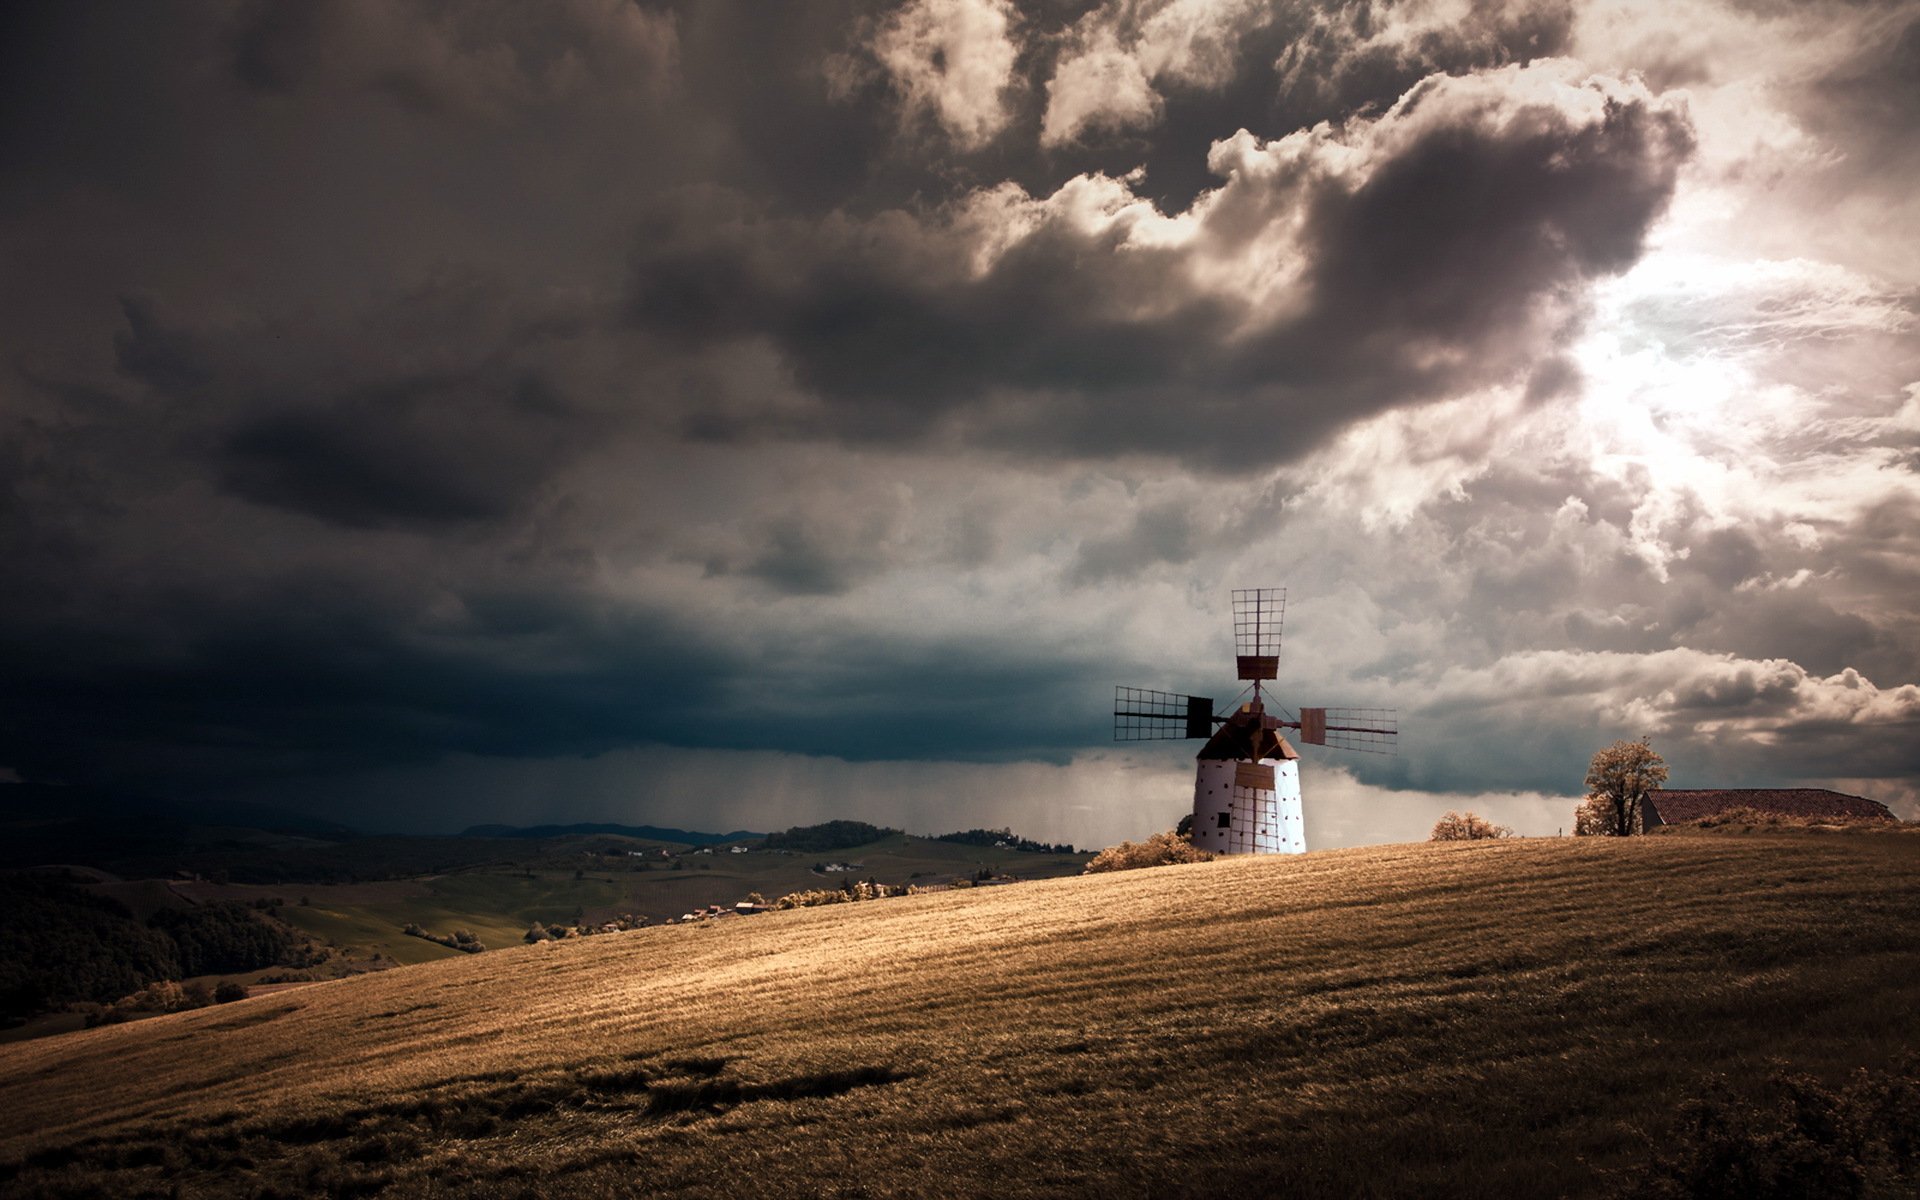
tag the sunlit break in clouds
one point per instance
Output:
(733, 415)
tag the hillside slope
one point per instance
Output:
(1470, 1019)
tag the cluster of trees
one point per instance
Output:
(833, 835)
(162, 996)
(541, 932)
(1004, 839)
(64, 944)
(460, 939)
(1467, 827)
(223, 937)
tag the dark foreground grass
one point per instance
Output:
(1478, 1019)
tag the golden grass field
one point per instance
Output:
(1477, 1019)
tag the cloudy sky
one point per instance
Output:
(732, 414)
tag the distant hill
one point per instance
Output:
(41, 805)
(652, 833)
(146, 837)
(1523, 1018)
(827, 836)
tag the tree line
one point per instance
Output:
(63, 944)
(1005, 839)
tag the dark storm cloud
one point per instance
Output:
(312, 677)
(887, 325)
(441, 450)
(354, 424)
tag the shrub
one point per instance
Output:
(1792, 1138)
(1594, 818)
(1466, 827)
(229, 991)
(847, 893)
(161, 996)
(1162, 849)
(461, 939)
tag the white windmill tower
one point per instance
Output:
(1246, 786)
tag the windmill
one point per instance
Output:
(1246, 787)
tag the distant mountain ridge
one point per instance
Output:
(653, 833)
(49, 804)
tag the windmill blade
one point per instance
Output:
(1368, 730)
(1257, 617)
(1145, 715)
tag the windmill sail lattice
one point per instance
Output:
(1257, 617)
(1144, 715)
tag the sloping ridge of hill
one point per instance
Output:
(652, 833)
(1502, 1018)
(27, 805)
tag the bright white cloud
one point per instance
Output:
(953, 59)
(1115, 61)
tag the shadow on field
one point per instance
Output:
(353, 1150)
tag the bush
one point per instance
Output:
(1162, 849)
(461, 939)
(1594, 818)
(1466, 827)
(1792, 1138)
(847, 893)
(161, 996)
(229, 991)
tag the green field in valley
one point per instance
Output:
(497, 903)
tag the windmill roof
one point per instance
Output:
(1249, 735)
(1674, 805)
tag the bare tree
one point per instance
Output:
(1618, 780)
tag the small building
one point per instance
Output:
(1673, 806)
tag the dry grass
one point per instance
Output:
(1487, 1018)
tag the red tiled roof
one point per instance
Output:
(1674, 805)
